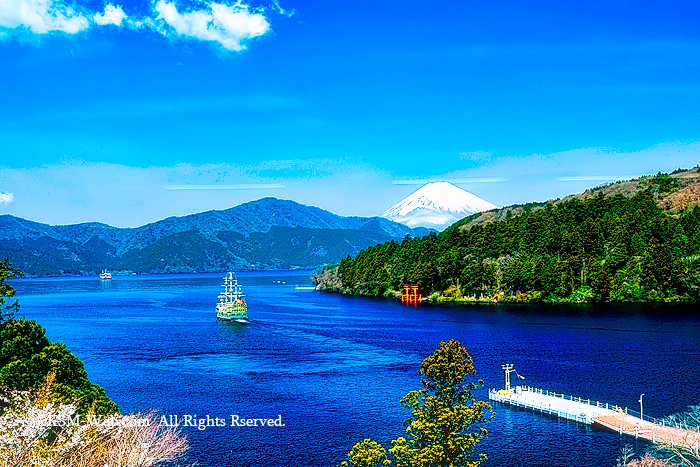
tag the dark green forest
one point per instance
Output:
(599, 249)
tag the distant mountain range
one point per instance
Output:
(266, 234)
(436, 205)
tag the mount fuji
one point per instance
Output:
(436, 205)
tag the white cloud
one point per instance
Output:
(6, 198)
(597, 178)
(112, 15)
(247, 186)
(41, 16)
(288, 13)
(78, 192)
(539, 177)
(423, 181)
(227, 25)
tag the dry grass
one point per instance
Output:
(647, 461)
(627, 459)
(684, 198)
(135, 446)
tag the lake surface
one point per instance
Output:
(335, 368)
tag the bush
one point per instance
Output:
(583, 294)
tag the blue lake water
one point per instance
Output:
(335, 368)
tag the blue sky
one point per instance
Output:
(106, 105)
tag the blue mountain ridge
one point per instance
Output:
(269, 233)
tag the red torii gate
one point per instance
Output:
(410, 295)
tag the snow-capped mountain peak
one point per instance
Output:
(436, 205)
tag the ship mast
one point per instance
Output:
(232, 290)
(226, 294)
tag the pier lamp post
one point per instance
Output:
(641, 406)
(508, 369)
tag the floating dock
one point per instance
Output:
(597, 414)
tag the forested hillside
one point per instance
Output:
(604, 247)
(674, 192)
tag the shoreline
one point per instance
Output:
(141, 274)
(508, 301)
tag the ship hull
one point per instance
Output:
(233, 320)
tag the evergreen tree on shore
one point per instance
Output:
(7, 272)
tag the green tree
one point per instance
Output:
(663, 183)
(602, 286)
(445, 424)
(662, 269)
(6, 290)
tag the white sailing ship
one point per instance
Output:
(231, 306)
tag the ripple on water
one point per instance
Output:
(336, 367)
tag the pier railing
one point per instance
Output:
(669, 422)
(594, 403)
(569, 413)
(494, 395)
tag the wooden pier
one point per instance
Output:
(597, 414)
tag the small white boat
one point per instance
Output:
(105, 275)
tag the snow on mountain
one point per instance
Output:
(436, 205)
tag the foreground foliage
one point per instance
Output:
(689, 454)
(686, 453)
(627, 459)
(27, 358)
(38, 430)
(601, 249)
(444, 427)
